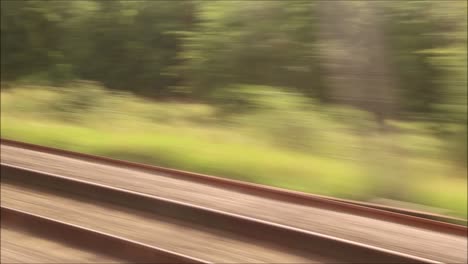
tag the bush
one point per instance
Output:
(458, 146)
(282, 117)
(77, 99)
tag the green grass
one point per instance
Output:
(283, 146)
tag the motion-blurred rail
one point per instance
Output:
(88, 239)
(314, 246)
(418, 219)
(300, 241)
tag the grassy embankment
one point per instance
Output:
(283, 142)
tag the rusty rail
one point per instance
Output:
(418, 219)
(90, 240)
(309, 244)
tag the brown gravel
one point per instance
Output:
(20, 247)
(410, 240)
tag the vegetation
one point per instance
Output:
(285, 145)
(358, 99)
(195, 48)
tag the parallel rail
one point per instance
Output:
(418, 219)
(90, 240)
(313, 245)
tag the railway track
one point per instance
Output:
(428, 220)
(273, 240)
(300, 244)
(117, 249)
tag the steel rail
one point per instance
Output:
(409, 212)
(418, 219)
(89, 239)
(307, 243)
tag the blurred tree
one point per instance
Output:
(133, 45)
(32, 38)
(429, 44)
(354, 54)
(124, 44)
(410, 52)
(266, 42)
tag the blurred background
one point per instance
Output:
(355, 99)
